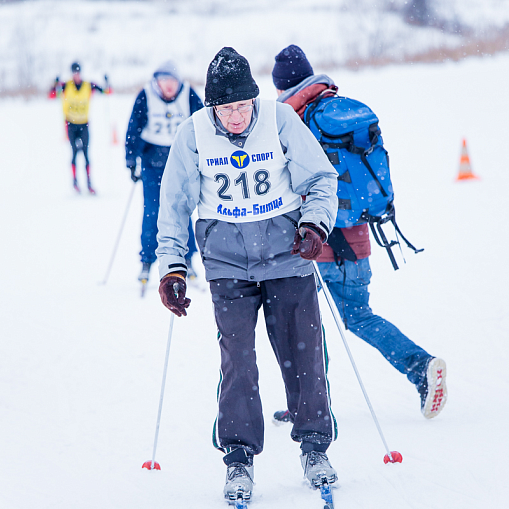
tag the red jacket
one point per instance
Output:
(356, 236)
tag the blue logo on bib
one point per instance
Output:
(239, 159)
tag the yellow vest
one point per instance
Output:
(76, 102)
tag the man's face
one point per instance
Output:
(169, 86)
(76, 77)
(235, 116)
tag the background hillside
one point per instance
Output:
(129, 39)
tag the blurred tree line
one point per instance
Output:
(418, 12)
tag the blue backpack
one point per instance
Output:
(349, 134)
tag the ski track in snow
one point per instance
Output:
(81, 363)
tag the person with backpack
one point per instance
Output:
(245, 163)
(76, 95)
(344, 263)
(163, 104)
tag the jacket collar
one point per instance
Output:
(306, 92)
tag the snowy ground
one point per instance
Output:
(81, 363)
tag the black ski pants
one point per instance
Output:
(77, 132)
(293, 323)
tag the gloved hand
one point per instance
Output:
(134, 177)
(172, 290)
(107, 89)
(52, 94)
(308, 241)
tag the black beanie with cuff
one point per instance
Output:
(229, 79)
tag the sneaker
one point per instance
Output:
(191, 273)
(282, 416)
(145, 271)
(433, 390)
(239, 482)
(317, 468)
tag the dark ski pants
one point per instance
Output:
(151, 178)
(79, 132)
(293, 323)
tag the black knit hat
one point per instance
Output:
(229, 79)
(75, 67)
(291, 68)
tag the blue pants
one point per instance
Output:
(151, 179)
(348, 283)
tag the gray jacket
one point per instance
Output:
(257, 250)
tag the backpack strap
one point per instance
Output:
(384, 243)
(379, 221)
(340, 246)
(396, 227)
(331, 91)
(364, 159)
(374, 133)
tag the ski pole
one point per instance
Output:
(151, 465)
(119, 235)
(393, 456)
(107, 114)
(109, 124)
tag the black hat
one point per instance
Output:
(291, 68)
(229, 79)
(75, 67)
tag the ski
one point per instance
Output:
(240, 504)
(238, 501)
(326, 494)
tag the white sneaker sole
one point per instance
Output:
(437, 389)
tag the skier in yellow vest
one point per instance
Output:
(76, 95)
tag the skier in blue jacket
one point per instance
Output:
(163, 104)
(245, 163)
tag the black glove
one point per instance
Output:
(308, 241)
(134, 177)
(172, 290)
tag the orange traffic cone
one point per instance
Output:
(465, 171)
(114, 139)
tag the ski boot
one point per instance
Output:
(143, 277)
(433, 390)
(317, 469)
(239, 484)
(90, 188)
(75, 185)
(281, 417)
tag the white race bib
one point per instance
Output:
(164, 118)
(248, 184)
